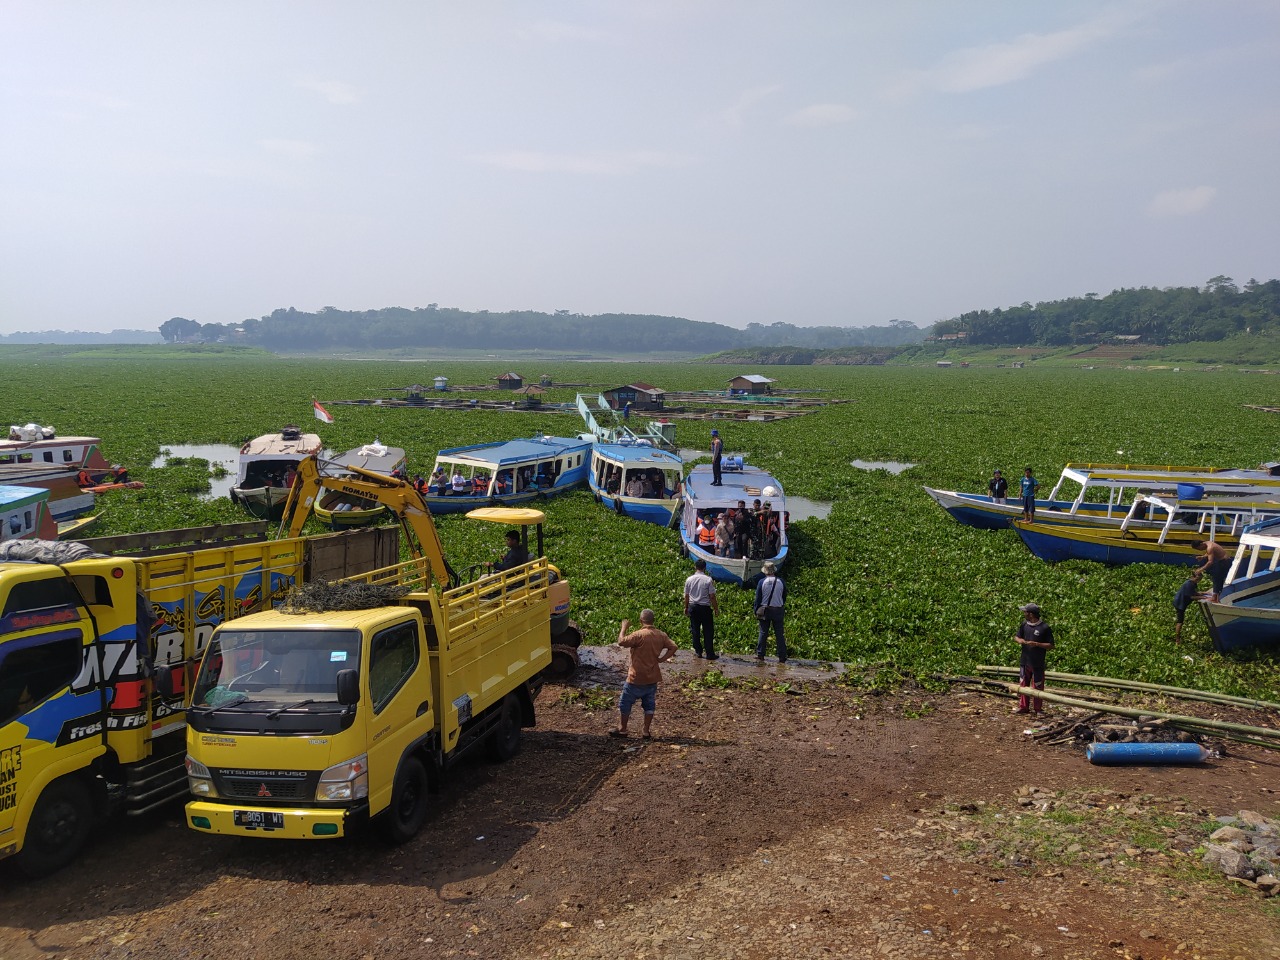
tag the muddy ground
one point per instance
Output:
(782, 816)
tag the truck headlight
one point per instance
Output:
(345, 781)
(199, 780)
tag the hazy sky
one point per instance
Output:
(839, 162)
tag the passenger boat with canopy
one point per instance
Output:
(339, 510)
(704, 503)
(506, 473)
(1246, 614)
(266, 469)
(637, 481)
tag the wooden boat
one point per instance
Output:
(34, 445)
(265, 470)
(1077, 497)
(340, 510)
(25, 515)
(637, 481)
(1246, 614)
(66, 498)
(507, 473)
(72, 529)
(1185, 522)
(739, 482)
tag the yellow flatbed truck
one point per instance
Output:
(82, 727)
(303, 724)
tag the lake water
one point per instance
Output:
(802, 508)
(219, 453)
(893, 466)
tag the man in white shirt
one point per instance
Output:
(701, 606)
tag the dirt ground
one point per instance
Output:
(780, 816)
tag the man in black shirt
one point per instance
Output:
(998, 487)
(515, 556)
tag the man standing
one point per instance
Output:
(717, 451)
(1036, 639)
(1028, 492)
(743, 525)
(1217, 564)
(701, 606)
(649, 647)
(771, 594)
(998, 487)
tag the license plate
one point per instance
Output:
(258, 820)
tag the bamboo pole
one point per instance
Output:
(1184, 693)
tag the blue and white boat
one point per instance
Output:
(637, 480)
(507, 473)
(738, 482)
(1246, 614)
(1077, 496)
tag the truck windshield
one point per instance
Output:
(279, 666)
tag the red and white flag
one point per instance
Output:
(321, 412)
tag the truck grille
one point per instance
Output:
(266, 789)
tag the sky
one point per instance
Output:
(816, 162)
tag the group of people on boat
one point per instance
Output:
(638, 483)
(754, 533)
(505, 481)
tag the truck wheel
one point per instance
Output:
(402, 820)
(564, 662)
(504, 742)
(59, 827)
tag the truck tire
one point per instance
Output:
(504, 742)
(402, 820)
(564, 662)
(59, 827)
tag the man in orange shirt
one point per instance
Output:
(649, 647)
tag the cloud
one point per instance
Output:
(601, 163)
(996, 64)
(822, 115)
(1181, 203)
(735, 115)
(291, 149)
(335, 91)
(559, 31)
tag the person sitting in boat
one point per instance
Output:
(480, 484)
(706, 534)
(83, 479)
(503, 485)
(636, 486)
(289, 476)
(458, 483)
(419, 483)
(516, 554)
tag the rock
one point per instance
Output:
(1227, 834)
(1231, 863)
(1269, 884)
(1251, 818)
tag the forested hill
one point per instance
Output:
(448, 328)
(1169, 315)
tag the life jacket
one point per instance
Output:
(706, 535)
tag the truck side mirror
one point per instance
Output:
(348, 687)
(164, 680)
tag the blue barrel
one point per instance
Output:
(1190, 491)
(1121, 754)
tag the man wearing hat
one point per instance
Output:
(771, 594)
(1036, 639)
(717, 451)
(998, 487)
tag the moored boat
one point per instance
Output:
(266, 468)
(1246, 614)
(24, 514)
(636, 480)
(67, 499)
(338, 509)
(1184, 524)
(34, 445)
(506, 473)
(1077, 496)
(704, 501)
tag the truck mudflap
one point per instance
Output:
(283, 823)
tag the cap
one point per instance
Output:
(1030, 608)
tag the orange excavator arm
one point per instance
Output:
(396, 495)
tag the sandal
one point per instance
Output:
(617, 733)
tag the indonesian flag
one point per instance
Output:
(321, 412)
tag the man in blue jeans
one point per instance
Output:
(649, 647)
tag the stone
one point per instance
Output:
(1227, 834)
(1231, 863)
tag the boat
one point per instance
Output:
(266, 467)
(25, 515)
(507, 473)
(739, 481)
(1246, 614)
(637, 481)
(1120, 482)
(67, 500)
(1184, 524)
(338, 509)
(34, 445)
(619, 428)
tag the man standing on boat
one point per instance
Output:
(998, 487)
(1028, 492)
(701, 606)
(717, 451)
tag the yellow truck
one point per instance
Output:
(82, 727)
(306, 722)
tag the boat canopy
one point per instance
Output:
(513, 452)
